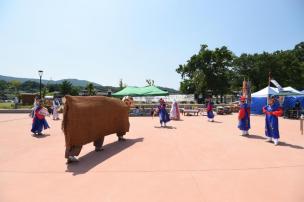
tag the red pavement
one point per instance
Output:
(194, 160)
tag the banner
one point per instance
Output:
(277, 85)
(244, 88)
(248, 92)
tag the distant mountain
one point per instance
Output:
(77, 82)
(170, 90)
(9, 78)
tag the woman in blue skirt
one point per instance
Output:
(39, 121)
(163, 114)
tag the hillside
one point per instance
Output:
(76, 82)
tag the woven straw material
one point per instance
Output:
(86, 119)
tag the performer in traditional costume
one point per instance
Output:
(272, 112)
(174, 112)
(39, 121)
(56, 106)
(244, 116)
(162, 113)
(128, 100)
(35, 106)
(210, 110)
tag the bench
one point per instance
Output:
(187, 112)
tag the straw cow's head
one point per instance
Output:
(128, 100)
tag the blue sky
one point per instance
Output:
(104, 41)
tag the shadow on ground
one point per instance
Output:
(92, 159)
(290, 145)
(251, 136)
(165, 127)
(216, 122)
(41, 136)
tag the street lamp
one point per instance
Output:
(40, 72)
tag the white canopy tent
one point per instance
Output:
(271, 91)
(259, 98)
(265, 92)
(291, 89)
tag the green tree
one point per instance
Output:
(30, 86)
(66, 88)
(187, 86)
(221, 72)
(287, 67)
(53, 87)
(15, 84)
(90, 89)
(121, 84)
(3, 85)
(45, 91)
(75, 91)
(3, 89)
(150, 82)
(209, 70)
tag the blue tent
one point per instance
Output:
(290, 101)
(259, 99)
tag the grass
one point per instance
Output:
(12, 106)
(6, 105)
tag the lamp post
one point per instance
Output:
(40, 72)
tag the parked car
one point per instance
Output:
(220, 110)
(227, 110)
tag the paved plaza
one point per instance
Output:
(192, 160)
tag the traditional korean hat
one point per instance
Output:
(243, 98)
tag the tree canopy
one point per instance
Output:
(209, 70)
(220, 71)
(66, 88)
(90, 88)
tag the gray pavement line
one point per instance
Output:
(155, 171)
(197, 187)
(13, 120)
(191, 174)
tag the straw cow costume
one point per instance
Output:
(90, 119)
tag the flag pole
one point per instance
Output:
(269, 81)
